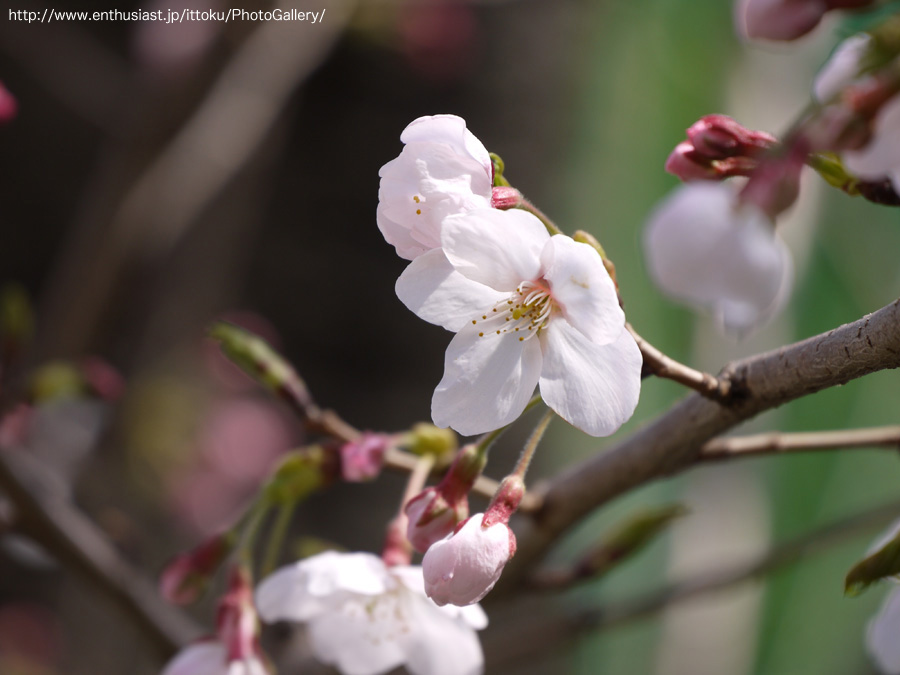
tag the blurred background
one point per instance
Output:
(157, 177)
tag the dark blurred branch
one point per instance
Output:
(779, 443)
(71, 538)
(657, 363)
(674, 441)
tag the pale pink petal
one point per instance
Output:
(300, 591)
(363, 636)
(450, 130)
(488, 379)
(881, 157)
(436, 292)
(595, 388)
(472, 616)
(249, 666)
(777, 19)
(497, 248)
(441, 644)
(583, 289)
(883, 635)
(842, 67)
(462, 568)
(201, 658)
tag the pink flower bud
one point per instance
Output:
(432, 517)
(361, 460)
(236, 623)
(786, 19)
(719, 136)
(462, 568)
(186, 577)
(8, 105)
(504, 197)
(775, 185)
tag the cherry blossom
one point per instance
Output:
(442, 170)
(709, 251)
(211, 658)
(527, 309)
(842, 67)
(880, 158)
(366, 618)
(462, 568)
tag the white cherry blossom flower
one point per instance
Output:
(880, 158)
(883, 635)
(842, 67)
(366, 618)
(706, 250)
(463, 567)
(442, 170)
(211, 658)
(527, 309)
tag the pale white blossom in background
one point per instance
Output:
(842, 67)
(211, 658)
(706, 250)
(527, 309)
(880, 158)
(442, 170)
(883, 635)
(366, 618)
(463, 567)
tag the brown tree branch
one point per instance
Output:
(657, 363)
(80, 546)
(673, 442)
(780, 443)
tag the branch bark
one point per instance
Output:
(809, 441)
(673, 442)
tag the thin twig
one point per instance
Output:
(780, 443)
(668, 368)
(70, 537)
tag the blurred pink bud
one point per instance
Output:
(785, 19)
(362, 459)
(14, 426)
(236, 622)
(103, 380)
(186, 577)
(504, 197)
(396, 549)
(718, 148)
(9, 107)
(432, 517)
(463, 568)
(775, 185)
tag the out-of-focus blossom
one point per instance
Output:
(527, 309)
(463, 568)
(442, 170)
(437, 37)
(366, 618)
(705, 249)
(363, 458)
(31, 639)
(785, 19)
(171, 49)
(718, 148)
(9, 107)
(880, 158)
(883, 635)
(210, 657)
(842, 68)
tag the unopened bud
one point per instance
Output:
(505, 197)
(185, 578)
(505, 501)
(236, 621)
(362, 459)
(718, 148)
(427, 439)
(432, 517)
(300, 474)
(775, 185)
(396, 547)
(8, 105)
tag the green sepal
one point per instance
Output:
(881, 564)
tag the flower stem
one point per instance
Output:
(277, 536)
(533, 441)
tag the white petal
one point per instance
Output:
(593, 387)
(497, 248)
(881, 157)
(582, 289)
(487, 380)
(883, 635)
(364, 638)
(703, 250)
(841, 68)
(441, 645)
(411, 577)
(436, 292)
(450, 130)
(202, 658)
(303, 590)
(250, 666)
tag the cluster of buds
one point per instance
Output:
(716, 148)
